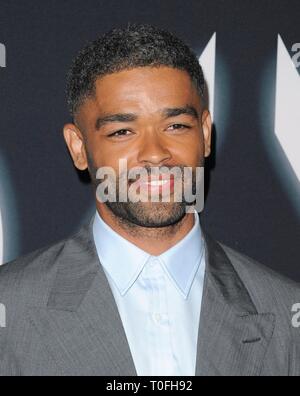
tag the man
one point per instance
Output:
(142, 289)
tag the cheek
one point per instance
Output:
(191, 151)
(107, 154)
(198, 147)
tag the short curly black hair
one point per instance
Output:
(136, 45)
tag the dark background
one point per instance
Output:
(43, 200)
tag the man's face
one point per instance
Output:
(150, 117)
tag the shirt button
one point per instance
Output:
(157, 317)
(154, 262)
(160, 318)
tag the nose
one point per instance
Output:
(153, 150)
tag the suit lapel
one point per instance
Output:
(81, 327)
(233, 337)
(83, 332)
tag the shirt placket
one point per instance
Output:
(161, 355)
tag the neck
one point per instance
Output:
(154, 241)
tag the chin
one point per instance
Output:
(150, 214)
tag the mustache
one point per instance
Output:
(149, 171)
(142, 171)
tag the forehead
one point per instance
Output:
(143, 89)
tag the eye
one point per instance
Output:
(178, 126)
(121, 132)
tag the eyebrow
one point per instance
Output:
(129, 117)
(176, 111)
(120, 117)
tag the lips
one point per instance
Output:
(161, 184)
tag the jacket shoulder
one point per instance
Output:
(29, 277)
(268, 288)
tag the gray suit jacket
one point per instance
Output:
(61, 317)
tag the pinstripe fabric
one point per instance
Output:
(62, 318)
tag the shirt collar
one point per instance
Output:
(124, 261)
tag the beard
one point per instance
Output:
(146, 214)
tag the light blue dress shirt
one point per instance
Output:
(158, 298)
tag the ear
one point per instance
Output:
(206, 128)
(75, 142)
